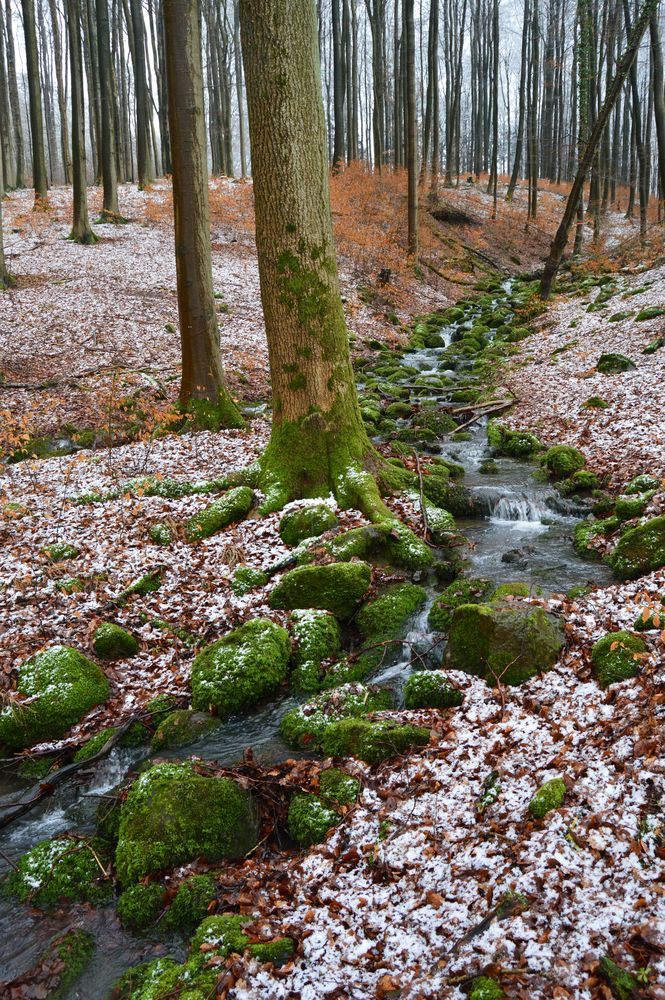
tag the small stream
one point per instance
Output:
(523, 532)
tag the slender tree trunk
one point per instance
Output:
(110, 209)
(494, 173)
(318, 440)
(561, 238)
(202, 388)
(81, 229)
(39, 179)
(141, 92)
(47, 92)
(411, 128)
(14, 99)
(339, 86)
(658, 98)
(519, 141)
(5, 279)
(643, 180)
(6, 126)
(62, 96)
(239, 90)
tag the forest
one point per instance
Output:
(332, 500)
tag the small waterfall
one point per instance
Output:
(517, 508)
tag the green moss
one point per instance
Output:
(613, 657)
(63, 686)
(172, 815)
(140, 905)
(277, 952)
(431, 689)
(388, 541)
(372, 742)
(581, 481)
(613, 364)
(641, 550)
(562, 461)
(160, 706)
(507, 642)
(36, 768)
(72, 585)
(515, 444)
(595, 403)
(338, 587)
(387, 614)
(93, 745)
(652, 621)
(190, 903)
(246, 579)
(460, 592)
(211, 415)
(148, 981)
(642, 484)
(310, 819)
(452, 497)
(306, 522)
(60, 869)
(338, 786)
(59, 551)
(111, 642)
(489, 467)
(654, 346)
(141, 587)
(181, 728)
(305, 725)
(548, 797)
(317, 638)
(232, 507)
(235, 673)
(628, 507)
(72, 954)
(485, 988)
(398, 410)
(623, 984)
(160, 534)
(650, 312)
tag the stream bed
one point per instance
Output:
(522, 532)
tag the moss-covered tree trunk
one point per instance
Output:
(202, 372)
(81, 228)
(318, 444)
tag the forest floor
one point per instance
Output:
(405, 895)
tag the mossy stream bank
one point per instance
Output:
(518, 528)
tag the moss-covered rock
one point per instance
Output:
(507, 642)
(181, 728)
(61, 869)
(628, 507)
(65, 960)
(139, 906)
(641, 550)
(338, 587)
(595, 403)
(623, 984)
(463, 591)
(235, 673)
(447, 495)
(146, 584)
(70, 585)
(306, 522)
(160, 534)
(317, 639)
(190, 903)
(517, 589)
(172, 814)
(616, 657)
(488, 467)
(246, 579)
(485, 988)
(60, 551)
(372, 742)
(548, 797)
(310, 819)
(338, 786)
(382, 621)
(431, 689)
(515, 444)
(390, 542)
(232, 507)
(305, 724)
(642, 484)
(613, 364)
(562, 461)
(581, 481)
(111, 642)
(63, 686)
(649, 312)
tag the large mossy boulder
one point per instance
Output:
(515, 444)
(61, 869)
(431, 689)
(183, 727)
(337, 587)
(506, 642)
(613, 364)
(304, 725)
(382, 621)
(62, 685)
(173, 814)
(462, 591)
(112, 642)
(232, 507)
(306, 522)
(317, 639)
(372, 742)
(641, 550)
(237, 672)
(562, 461)
(389, 541)
(616, 657)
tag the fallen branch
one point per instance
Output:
(485, 413)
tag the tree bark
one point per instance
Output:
(658, 98)
(5, 279)
(141, 92)
(19, 179)
(519, 141)
(81, 229)
(561, 238)
(318, 443)
(202, 389)
(39, 180)
(62, 96)
(110, 209)
(411, 128)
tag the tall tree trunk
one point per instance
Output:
(643, 180)
(561, 238)
(318, 441)
(47, 92)
(411, 128)
(5, 279)
(202, 389)
(494, 172)
(141, 92)
(658, 98)
(19, 179)
(339, 86)
(240, 96)
(81, 230)
(39, 180)
(110, 209)
(62, 95)
(6, 125)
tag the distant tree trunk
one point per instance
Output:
(62, 96)
(39, 180)
(142, 97)
(519, 141)
(81, 229)
(533, 114)
(643, 180)
(8, 164)
(494, 172)
(339, 85)
(318, 442)
(376, 12)
(658, 98)
(202, 384)
(19, 178)
(436, 124)
(5, 279)
(561, 238)
(411, 128)
(110, 209)
(239, 89)
(47, 93)
(91, 55)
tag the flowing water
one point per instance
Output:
(522, 532)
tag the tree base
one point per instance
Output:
(86, 238)
(111, 218)
(210, 415)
